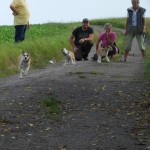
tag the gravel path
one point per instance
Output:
(101, 107)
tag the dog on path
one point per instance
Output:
(103, 52)
(69, 56)
(24, 64)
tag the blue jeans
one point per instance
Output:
(20, 32)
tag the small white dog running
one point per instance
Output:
(24, 64)
(69, 56)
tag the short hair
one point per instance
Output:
(136, 0)
(85, 20)
(107, 25)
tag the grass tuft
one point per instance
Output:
(53, 105)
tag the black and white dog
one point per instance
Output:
(69, 56)
(24, 64)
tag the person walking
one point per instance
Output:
(81, 40)
(21, 18)
(135, 27)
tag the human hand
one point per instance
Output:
(81, 41)
(126, 32)
(15, 14)
(75, 49)
(144, 30)
(107, 34)
(28, 26)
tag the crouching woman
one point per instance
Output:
(107, 38)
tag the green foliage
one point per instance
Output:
(147, 64)
(52, 104)
(119, 23)
(116, 22)
(43, 41)
(6, 34)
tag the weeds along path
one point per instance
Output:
(102, 107)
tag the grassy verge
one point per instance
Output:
(44, 41)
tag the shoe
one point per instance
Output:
(85, 58)
(95, 57)
(122, 60)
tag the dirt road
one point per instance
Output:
(101, 107)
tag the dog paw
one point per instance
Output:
(99, 62)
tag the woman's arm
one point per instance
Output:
(110, 39)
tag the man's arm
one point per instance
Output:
(90, 38)
(72, 43)
(15, 12)
(127, 20)
(144, 24)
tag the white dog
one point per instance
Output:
(103, 52)
(24, 64)
(69, 56)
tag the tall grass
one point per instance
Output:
(44, 42)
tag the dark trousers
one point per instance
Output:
(20, 32)
(83, 50)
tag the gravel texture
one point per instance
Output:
(101, 107)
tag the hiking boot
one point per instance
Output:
(85, 58)
(122, 60)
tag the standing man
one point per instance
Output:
(21, 18)
(135, 27)
(81, 40)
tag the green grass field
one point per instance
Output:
(44, 41)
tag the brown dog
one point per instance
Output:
(69, 56)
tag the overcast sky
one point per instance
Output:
(43, 11)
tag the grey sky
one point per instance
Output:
(43, 11)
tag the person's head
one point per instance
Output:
(135, 3)
(107, 27)
(85, 23)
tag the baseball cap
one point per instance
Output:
(85, 20)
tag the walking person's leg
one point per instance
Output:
(24, 28)
(20, 33)
(140, 40)
(128, 45)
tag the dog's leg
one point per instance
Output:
(73, 61)
(26, 71)
(99, 60)
(107, 59)
(21, 73)
(65, 63)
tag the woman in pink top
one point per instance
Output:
(107, 38)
